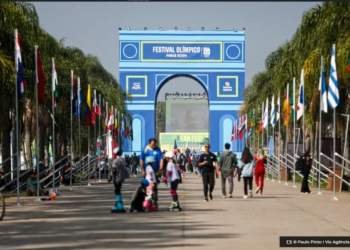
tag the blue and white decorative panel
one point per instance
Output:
(136, 85)
(227, 86)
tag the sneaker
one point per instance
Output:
(245, 196)
(211, 196)
(224, 196)
(206, 199)
(230, 196)
(250, 194)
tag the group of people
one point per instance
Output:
(228, 167)
(155, 164)
(152, 162)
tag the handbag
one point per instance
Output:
(247, 170)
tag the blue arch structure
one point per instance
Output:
(150, 58)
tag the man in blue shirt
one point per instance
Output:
(152, 155)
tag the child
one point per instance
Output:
(139, 197)
(173, 176)
(150, 177)
(119, 174)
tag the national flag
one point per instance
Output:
(273, 114)
(286, 108)
(40, 77)
(266, 114)
(323, 89)
(106, 115)
(95, 106)
(78, 99)
(333, 91)
(110, 119)
(88, 96)
(19, 67)
(300, 105)
(278, 107)
(54, 80)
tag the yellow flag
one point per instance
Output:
(88, 97)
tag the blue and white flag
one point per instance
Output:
(300, 104)
(333, 91)
(323, 90)
(278, 110)
(19, 66)
(273, 114)
(78, 107)
(266, 114)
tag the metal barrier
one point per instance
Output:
(319, 173)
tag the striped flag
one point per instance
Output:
(273, 112)
(278, 107)
(78, 104)
(19, 66)
(323, 90)
(54, 79)
(266, 114)
(300, 105)
(333, 91)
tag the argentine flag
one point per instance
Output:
(333, 91)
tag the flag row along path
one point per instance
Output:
(81, 219)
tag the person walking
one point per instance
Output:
(306, 164)
(207, 163)
(154, 157)
(247, 165)
(119, 174)
(259, 171)
(227, 166)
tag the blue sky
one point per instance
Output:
(92, 26)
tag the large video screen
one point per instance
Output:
(184, 115)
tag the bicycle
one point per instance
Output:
(2, 206)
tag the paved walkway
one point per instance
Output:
(81, 219)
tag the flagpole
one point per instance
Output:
(18, 156)
(294, 132)
(279, 138)
(320, 132)
(37, 121)
(78, 111)
(95, 147)
(334, 151)
(88, 151)
(99, 136)
(53, 126)
(71, 130)
(304, 103)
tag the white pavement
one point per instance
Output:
(81, 219)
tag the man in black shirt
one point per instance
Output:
(207, 164)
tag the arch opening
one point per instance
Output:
(182, 113)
